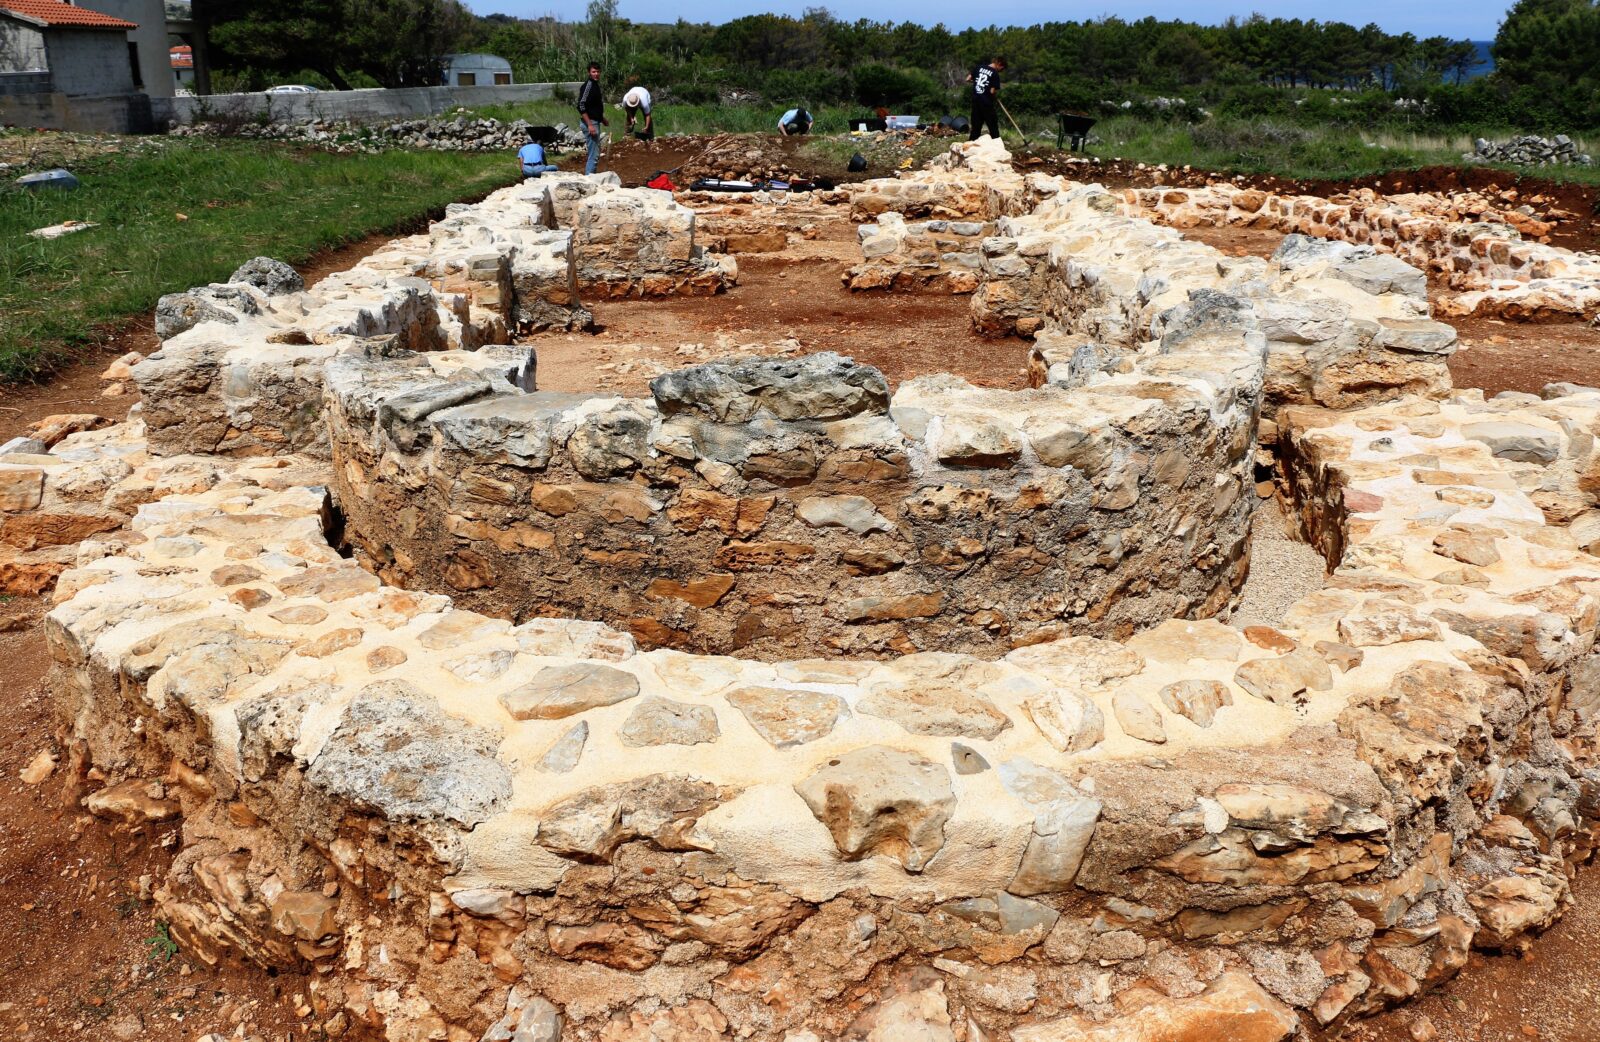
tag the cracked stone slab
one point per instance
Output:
(556, 692)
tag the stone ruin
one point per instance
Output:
(1492, 260)
(784, 705)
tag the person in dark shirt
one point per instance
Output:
(592, 110)
(985, 80)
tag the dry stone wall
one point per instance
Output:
(1340, 331)
(1192, 829)
(1491, 259)
(240, 372)
(974, 181)
(930, 256)
(463, 827)
(772, 508)
(1344, 326)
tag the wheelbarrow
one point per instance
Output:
(1074, 125)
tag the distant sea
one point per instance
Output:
(1488, 63)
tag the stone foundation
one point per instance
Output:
(1489, 256)
(1337, 333)
(930, 257)
(775, 508)
(464, 827)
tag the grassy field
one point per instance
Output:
(189, 214)
(1233, 145)
(1291, 150)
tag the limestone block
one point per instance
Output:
(1233, 1007)
(1516, 441)
(1068, 721)
(397, 753)
(661, 721)
(272, 277)
(822, 386)
(787, 718)
(1197, 700)
(880, 801)
(21, 487)
(1286, 680)
(1137, 717)
(556, 692)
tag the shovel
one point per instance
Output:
(1025, 142)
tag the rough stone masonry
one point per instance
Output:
(472, 827)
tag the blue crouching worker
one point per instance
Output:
(531, 161)
(795, 121)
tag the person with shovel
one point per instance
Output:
(985, 80)
(592, 110)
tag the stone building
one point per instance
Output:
(147, 42)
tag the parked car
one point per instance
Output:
(291, 88)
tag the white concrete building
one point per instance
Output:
(476, 70)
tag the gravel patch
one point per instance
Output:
(1283, 569)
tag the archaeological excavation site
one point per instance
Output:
(1193, 660)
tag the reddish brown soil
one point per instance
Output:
(1549, 994)
(795, 296)
(77, 960)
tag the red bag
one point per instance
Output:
(661, 182)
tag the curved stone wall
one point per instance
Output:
(459, 822)
(793, 507)
(1492, 257)
(458, 826)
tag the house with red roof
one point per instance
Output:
(51, 47)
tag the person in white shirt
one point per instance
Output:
(635, 102)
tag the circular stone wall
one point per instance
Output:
(783, 507)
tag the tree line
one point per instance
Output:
(1547, 56)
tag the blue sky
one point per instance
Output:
(1459, 19)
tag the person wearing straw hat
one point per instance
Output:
(634, 104)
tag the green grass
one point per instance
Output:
(241, 199)
(1291, 150)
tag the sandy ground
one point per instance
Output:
(1283, 569)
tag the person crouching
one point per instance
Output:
(531, 160)
(795, 121)
(636, 104)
